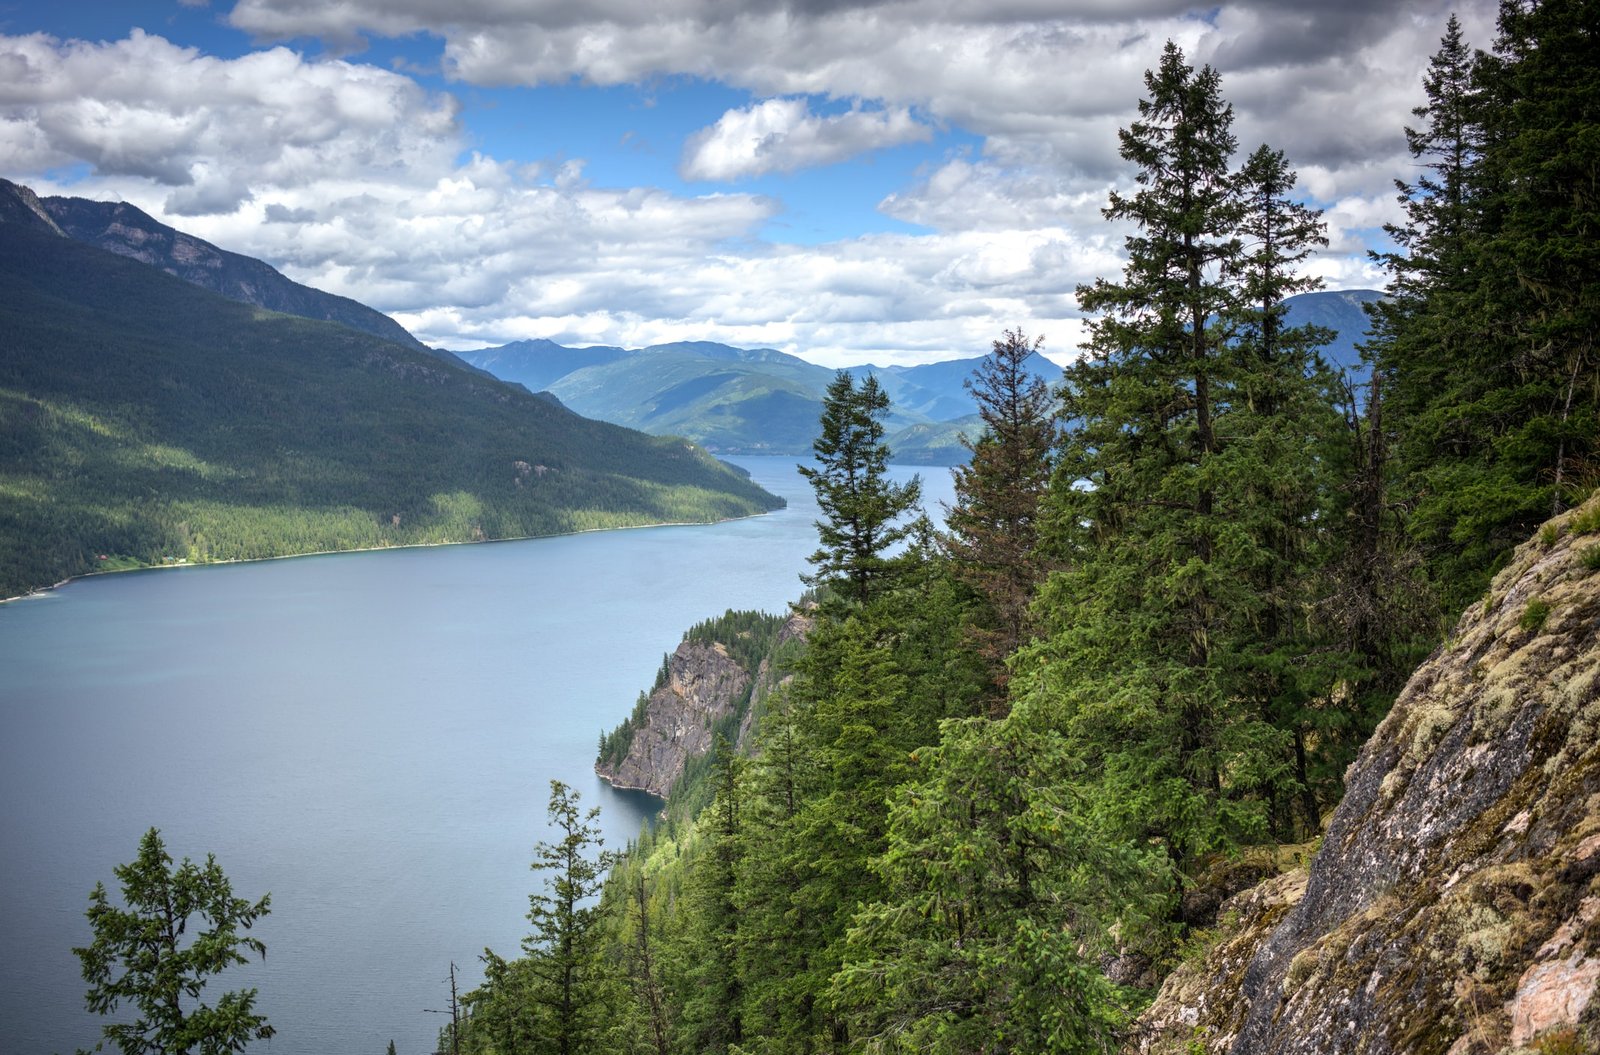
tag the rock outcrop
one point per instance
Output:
(704, 688)
(1454, 906)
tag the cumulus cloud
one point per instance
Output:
(782, 135)
(209, 130)
(356, 179)
(1042, 81)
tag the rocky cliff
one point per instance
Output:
(706, 687)
(1454, 906)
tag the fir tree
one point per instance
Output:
(146, 955)
(864, 512)
(993, 526)
(561, 951)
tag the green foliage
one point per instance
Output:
(552, 999)
(994, 523)
(1534, 615)
(1586, 522)
(147, 955)
(1226, 593)
(244, 434)
(1487, 338)
(1001, 896)
(863, 512)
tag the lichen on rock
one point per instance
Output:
(1454, 906)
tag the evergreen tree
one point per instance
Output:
(1279, 433)
(864, 512)
(1487, 343)
(713, 1008)
(1143, 667)
(147, 955)
(994, 524)
(562, 968)
(1001, 897)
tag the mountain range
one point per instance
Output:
(763, 401)
(145, 419)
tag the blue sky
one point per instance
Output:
(850, 182)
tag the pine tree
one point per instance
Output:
(713, 1019)
(864, 512)
(1142, 667)
(145, 954)
(561, 951)
(1487, 342)
(1001, 898)
(993, 526)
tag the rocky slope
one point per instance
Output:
(1454, 905)
(706, 689)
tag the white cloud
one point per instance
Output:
(782, 135)
(353, 178)
(210, 130)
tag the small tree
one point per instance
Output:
(561, 952)
(147, 955)
(862, 509)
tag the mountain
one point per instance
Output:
(1340, 311)
(126, 230)
(538, 364)
(144, 420)
(1454, 902)
(763, 401)
(741, 400)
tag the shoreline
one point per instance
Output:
(45, 591)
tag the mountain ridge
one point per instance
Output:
(764, 401)
(145, 420)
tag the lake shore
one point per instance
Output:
(46, 591)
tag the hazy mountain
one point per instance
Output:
(737, 400)
(763, 401)
(538, 363)
(145, 420)
(1340, 311)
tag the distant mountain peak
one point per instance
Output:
(19, 205)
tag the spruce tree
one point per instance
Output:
(1142, 668)
(177, 928)
(561, 952)
(993, 527)
(864, 512)
(1487, 343)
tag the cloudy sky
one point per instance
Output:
(849, 181)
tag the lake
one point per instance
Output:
(368, 736)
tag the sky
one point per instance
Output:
(891, 182)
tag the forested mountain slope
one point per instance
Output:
(761, 401)
(1023, 762)
(144, 420)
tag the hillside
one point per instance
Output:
(144, 420)
(126, 230)
(762, 401)
(1455, 902)
(715, 683)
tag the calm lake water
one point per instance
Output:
(370, 737)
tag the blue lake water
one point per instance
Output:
(368, 736)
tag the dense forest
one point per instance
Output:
(144, 421)
(982, 816)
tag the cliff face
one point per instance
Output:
(704, 686)
(1454, 906)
